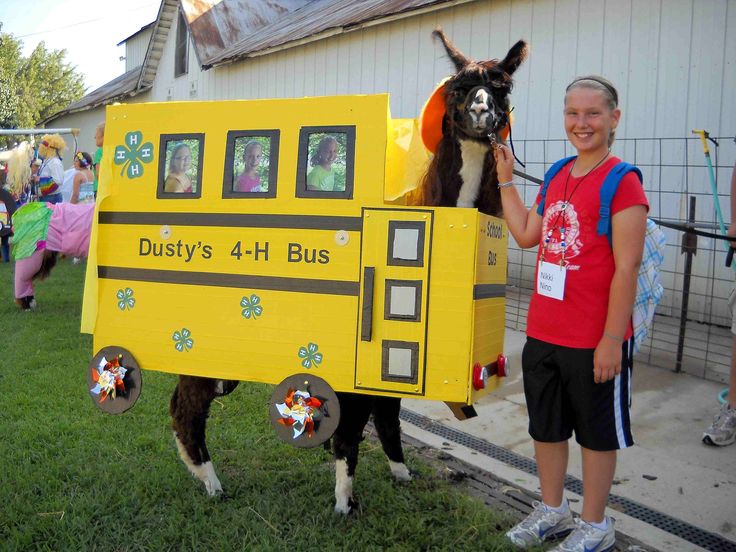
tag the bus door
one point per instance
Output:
(392, 327)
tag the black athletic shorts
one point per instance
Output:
(562, 398)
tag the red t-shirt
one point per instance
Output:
(579, 319)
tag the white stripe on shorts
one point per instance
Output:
(617, 408)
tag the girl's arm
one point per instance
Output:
(524, 224)
(629, 227)
(75, 188)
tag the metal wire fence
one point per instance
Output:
(691, 330)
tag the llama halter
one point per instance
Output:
(433, 111)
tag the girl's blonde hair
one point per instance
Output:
(19, 167)
(605, 87)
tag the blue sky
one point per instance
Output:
(88, 29)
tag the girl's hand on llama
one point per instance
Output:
(504, 163)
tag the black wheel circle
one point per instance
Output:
(124, 399)
(304, 410)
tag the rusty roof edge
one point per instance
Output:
(157, 31)
(226, 58)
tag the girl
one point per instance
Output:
(83, 183)
(322, 177)
(178, 180)
(250, 180)
(577, 359)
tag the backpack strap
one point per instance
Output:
(608, 190)
(548, 176)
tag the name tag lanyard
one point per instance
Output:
(561, 213)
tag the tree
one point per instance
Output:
(36, 87)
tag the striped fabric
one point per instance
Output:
(47, 185)
(649, 289)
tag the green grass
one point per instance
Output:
(74, 478)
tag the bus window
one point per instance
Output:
(251, 164)
(326, 162)
(180, 166)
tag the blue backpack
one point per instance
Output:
(649, 289)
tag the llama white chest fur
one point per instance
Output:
(471, 172)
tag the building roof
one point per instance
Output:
(224, 31)
(139, 31)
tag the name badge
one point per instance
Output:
(551, 280)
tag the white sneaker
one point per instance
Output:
(587, 538)
(722, 431)
(541, 525)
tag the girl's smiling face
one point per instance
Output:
(252, 156)
(589, 120)
(182, 160)
(330, 153)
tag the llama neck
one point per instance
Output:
(471, 172)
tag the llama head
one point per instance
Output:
(476, 97)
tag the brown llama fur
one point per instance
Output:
(441, 185)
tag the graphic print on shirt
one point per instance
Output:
(562, 215)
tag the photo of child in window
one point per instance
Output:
(251, 164)
(327, 163)
(182, 161)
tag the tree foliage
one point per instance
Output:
(35, 87)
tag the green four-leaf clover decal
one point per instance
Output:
(125, 299)
(310, 355)
(132, 154)
(183, 340)
(251, 307)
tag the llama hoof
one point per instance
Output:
(399, 471)
(346, 507)
(214, 489)
(26, 303)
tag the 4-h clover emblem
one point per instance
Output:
(251, 307)
(183, 340)
(310, 355)
(125, 299)
(133, 153)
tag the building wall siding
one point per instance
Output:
(135, 49)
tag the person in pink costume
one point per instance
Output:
(41, 231)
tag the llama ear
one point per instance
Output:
(517, 54)
(455, 55)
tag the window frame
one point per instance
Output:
(164, 139)
(303, 159)
(181, 46)
(274, 136)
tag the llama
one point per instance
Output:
(476, 114)
(461, 174)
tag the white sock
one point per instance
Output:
(561, 509)
(602, 525)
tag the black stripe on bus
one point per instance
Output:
(216, 279)
(234, 220)
(487, 291)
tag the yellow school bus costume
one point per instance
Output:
(370, 295)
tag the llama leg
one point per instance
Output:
(25, 269)
(386, 419)
(190, 405)
(354, 413)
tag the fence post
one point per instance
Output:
(690, 248)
